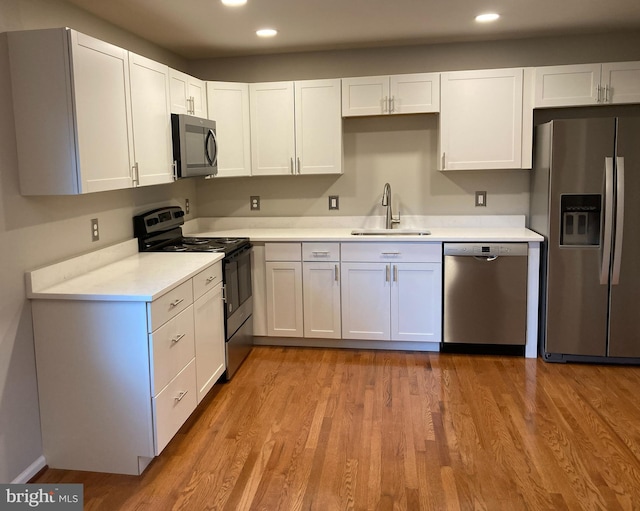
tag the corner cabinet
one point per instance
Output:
(296, 128)
(481, 119)
(228, 105)
(76, 96)
(117, 379)
(392, 291)
(587, 84)
(395, 94)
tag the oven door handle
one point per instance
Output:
(224, 293)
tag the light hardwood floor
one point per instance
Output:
(321, 429)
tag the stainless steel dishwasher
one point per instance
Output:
(485, 293)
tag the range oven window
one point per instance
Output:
(237, 275)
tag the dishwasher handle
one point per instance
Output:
(487, 259)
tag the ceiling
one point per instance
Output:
(205, 28)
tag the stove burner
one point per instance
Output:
(175, 248)
(195, 241)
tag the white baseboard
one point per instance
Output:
(30, 471)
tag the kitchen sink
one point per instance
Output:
(390, 232)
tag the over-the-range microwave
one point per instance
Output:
(195, 146)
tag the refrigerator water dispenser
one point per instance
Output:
(580, 216)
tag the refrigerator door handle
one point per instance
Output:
(608, 221)
(617, 247)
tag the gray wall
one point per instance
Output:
(399, 149)
(35, 231)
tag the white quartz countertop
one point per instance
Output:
(137, 277)
(438, 234)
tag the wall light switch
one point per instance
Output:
(481, 198)
(334, 202)
(254, 202)
(186, 206)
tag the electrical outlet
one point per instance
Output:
(334, 202)
(186, 206)
(481, 199)
(95, 233)
(254, 202)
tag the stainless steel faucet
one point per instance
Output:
(386, 201)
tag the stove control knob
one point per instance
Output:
(178, 214)
(152, 221)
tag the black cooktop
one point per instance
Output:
(159, 231)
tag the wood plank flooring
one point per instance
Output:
(322, 429)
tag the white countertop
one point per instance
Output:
(438, 234)
(137, 277)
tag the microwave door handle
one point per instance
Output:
(211, 158)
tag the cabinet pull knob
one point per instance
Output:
(179, 397)
(177, 338)
(176, 302)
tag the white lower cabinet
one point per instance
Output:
(117, 379)
(321, 290)
(284, 289)
(386, 296)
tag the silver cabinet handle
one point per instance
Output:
(387, 273)
(337, 273)
(224, 293)
(598, 94)
(179, 397)
(177, 338)
(392, 104)
(210, 280)
(385, 104)
(390, 253)
(444, 161)
(323, 253)
(176, 302)
(395, 273)
(607, 94)
(136, 174)
(175, 170)
(291, 163)
(298, 164)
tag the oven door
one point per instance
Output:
(237, 281)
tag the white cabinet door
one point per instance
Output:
(188, 94)
(622, 82)
(416, 302)
(209, 340)
(151, 121)
(567, 85)
(284, 299)
(414, 93)
(481, 119)
(228, 105)
(365, 95)
(322, 300)
(272, 128)
(365, 290)
(318, 122)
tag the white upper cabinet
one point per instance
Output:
(587, 84)
(395, 94)
(481, 119)
(228, 105)
(188, 94)
(296, 128)
(151, 126)
(72, 112)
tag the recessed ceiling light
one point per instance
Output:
(234, 3)
(266, 32)
(484, 18)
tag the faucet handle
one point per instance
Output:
(396, 219)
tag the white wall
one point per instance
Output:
(35, 231)
(401, 150)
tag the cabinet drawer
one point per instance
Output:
(169, 305)
(172, 346)
(406, 252)
(283, 251)
(172, 407)
(321, 251)
(206, 280)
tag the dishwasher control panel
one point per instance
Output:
(485, 249)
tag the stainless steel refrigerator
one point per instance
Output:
(585, 201)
